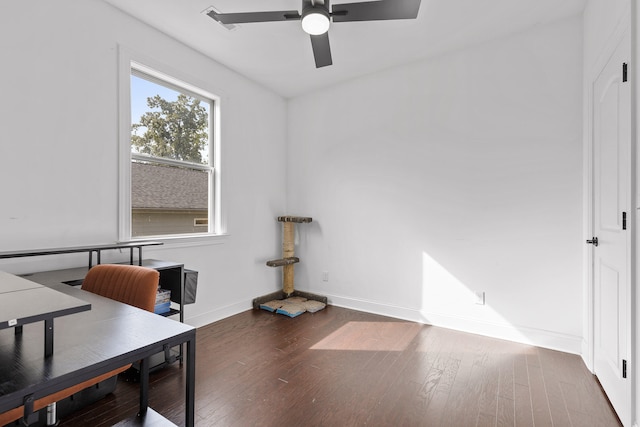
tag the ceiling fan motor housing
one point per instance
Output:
(315, 18)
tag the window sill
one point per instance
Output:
(170, 242)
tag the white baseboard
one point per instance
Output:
(537, 337)
(204, 319)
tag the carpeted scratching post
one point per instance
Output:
(288, 236)
(289, 302)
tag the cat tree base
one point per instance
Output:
(290, 305)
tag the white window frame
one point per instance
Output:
(130, 64)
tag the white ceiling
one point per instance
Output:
(278, 55)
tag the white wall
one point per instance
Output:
(59, 148)
(635, 123)
(452, 175)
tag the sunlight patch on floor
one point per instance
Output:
(370, 336)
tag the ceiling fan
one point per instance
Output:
(316, 18)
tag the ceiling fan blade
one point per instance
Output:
(247, 17)
(375, 10)
(321, 50)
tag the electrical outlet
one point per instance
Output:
(325, 276)
(479, 297)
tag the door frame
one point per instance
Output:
(626, 27)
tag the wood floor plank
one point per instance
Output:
(344, 367)
(539, 397)
(506, 378)
(488, 389)
(523, 410)
(520, 374)
(505, 415)
(550, 370)
(485, 420)
(430, 385)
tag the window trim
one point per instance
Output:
(130, 64)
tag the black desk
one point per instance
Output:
(171, 278)
(23, 302)
(88, 344)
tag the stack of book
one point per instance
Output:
(163, 301)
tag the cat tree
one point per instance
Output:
(289, 301)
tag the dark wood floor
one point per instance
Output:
(341, 367)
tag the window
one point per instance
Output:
(172, 158)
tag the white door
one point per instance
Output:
(611, 256)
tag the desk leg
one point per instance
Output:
(48, 337)
(190, 398)
(144, 386)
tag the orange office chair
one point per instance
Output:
(129, 284)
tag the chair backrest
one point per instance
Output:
(130, 284)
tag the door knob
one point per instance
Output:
(593, 241)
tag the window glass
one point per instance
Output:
(171, 165)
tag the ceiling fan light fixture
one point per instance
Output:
(315, 21)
